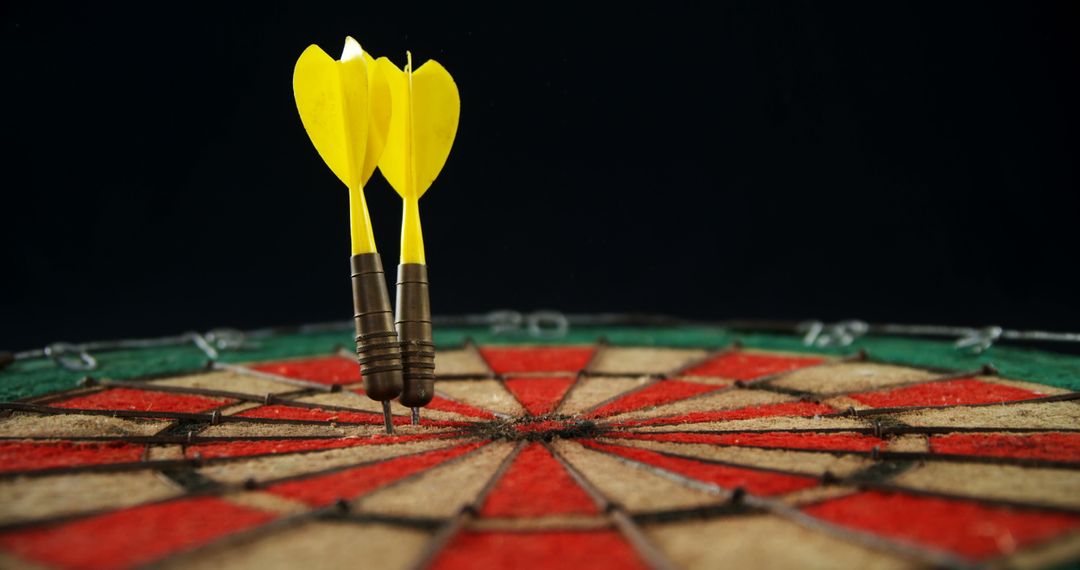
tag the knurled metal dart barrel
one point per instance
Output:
(378, 349)
(413, 323)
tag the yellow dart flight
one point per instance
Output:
(346, 107)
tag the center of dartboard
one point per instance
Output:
(539, 428)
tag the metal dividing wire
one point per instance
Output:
(551, 325)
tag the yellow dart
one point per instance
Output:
(345, 106)
(422, 129)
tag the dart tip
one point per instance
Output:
(352, 49)
(416, 416)
(386, 418)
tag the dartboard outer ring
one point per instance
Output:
(599, 447)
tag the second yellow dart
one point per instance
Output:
(422, 128)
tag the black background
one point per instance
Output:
(891, 162)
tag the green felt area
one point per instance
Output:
(31, 378)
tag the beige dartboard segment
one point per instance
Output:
(711, 401)
(279, 466)
(772, 423)
(908, 443)
(765, 541)
(227, 381)
(801, 462)
(619, 360)
(637, 489)
(264, 501)
(1024, 485)
(439, 492)
(33, 498)
(553, 523)
(591, 391)
(346, 402)
(169, 452)
(259, 429)
(76, 425)
(843, 377)
(490, 395)
(323, 543)
(12, 562)
(1043, 416)
(457, 363)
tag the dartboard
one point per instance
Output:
(596, 447)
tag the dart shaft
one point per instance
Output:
(413, 323)
(363, 239)
(378, 349)
(412, 238)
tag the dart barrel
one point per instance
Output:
(413, 323)
(378, 349)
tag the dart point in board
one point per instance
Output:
(361, 113)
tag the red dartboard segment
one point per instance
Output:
(967, 528)
(784, 440)
(34, 455)
(793, 409)
(592, 549)
(750, 365)
(130, 399)
(445, 405)
(134, 536)
(756, 482)
(661, 392)
(960, 392)
(536, 473)
(1063, 447)
(539, 395)
(322, 490)
(277, 446)
(516, 360)
(324, 370)
(282, 412)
